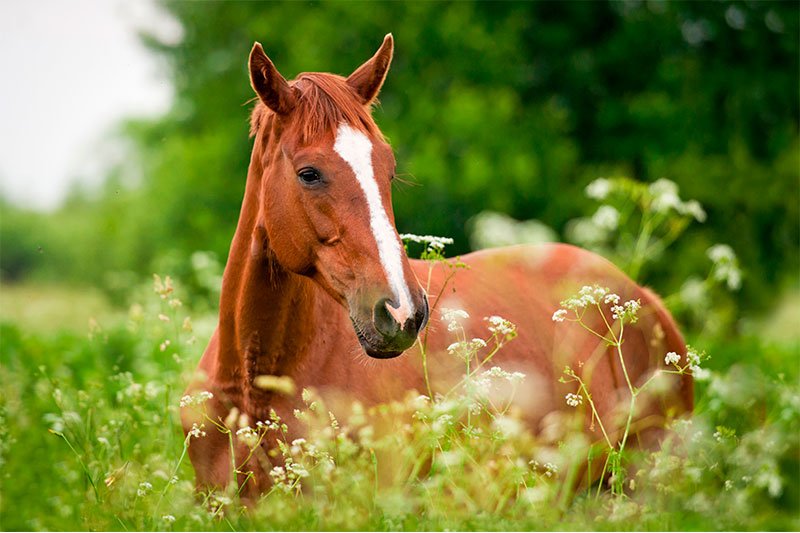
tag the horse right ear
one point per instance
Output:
(268, 83)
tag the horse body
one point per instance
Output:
(315, 288)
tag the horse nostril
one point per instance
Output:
(383, 320)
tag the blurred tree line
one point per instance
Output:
(511, 107)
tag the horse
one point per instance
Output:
(318, 287)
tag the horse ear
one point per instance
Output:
(368, 78)
(268, 83)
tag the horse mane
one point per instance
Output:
(323, 102)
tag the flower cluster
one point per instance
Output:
(249, 436)
(196, 399)
(664, 198)
(573, 400)
(197, 431)
(596, 295)
(627, 312)
(606, 217)
(466, 349)
(145, 487)
(672, 358)
(694, 358)
(452, 317)
(500, 326)
(431, 241)
(497, 372)
(726, 266)
(599, 189)
(587, 295)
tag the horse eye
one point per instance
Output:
(309, 176)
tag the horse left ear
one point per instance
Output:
(268, 83)
(367, 79)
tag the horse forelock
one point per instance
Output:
(324, 101)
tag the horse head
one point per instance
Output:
(324, 202)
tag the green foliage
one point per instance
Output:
(90, 439)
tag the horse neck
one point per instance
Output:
(259, 332)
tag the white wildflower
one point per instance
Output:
(452, 317)
(144, 488)
(550, 469)
(574, 400)
(197, 431)
(278, 474)
(694, 358)
(693, 208)
(497, 372)
(432, 241)
(168, 518)
(611, 298)
(196, 399)
(633, 306)
(587, 294)
(455, 347)
(248, 436)
(627, 312)
(442, 423)
(665, 195)
(297, 446)
(498, 324)
(726, 266)
(672, 358)
(720, 253)
(599, 189)
(560, 315)
(516, 377)
(481, 386)
(466, 349)
(665, 202)
(298, 470)
(606, 217)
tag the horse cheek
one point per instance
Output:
(289, 232)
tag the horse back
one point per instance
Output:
(526, 285)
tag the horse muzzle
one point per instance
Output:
(382, 335)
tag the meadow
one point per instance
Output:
(661, 135)
(91, 437)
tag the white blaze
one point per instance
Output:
(356, 149)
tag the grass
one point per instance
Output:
(48, 308)
(90, 439)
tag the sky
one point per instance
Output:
(71, 71)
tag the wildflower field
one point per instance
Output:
(663, 136)
(90, 436)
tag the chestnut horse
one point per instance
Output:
(317, 278)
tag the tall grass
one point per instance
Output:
(90, 439)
